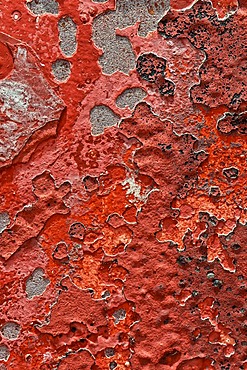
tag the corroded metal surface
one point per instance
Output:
(123, 225)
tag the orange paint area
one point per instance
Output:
(123, 224)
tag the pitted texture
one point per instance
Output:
(123, 221)
(11, 330)
(223, 74)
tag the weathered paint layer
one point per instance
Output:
(123, 223)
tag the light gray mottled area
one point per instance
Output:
(101, 117)
(39, 7)
(11, 330)
(4, 221)
(61, 69)
(119, 315)
(4, 353)
(36, 284)
(130, 97)
(117, 51)
(27, 103)
(118, 56)
(67, 34)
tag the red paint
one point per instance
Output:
(140, 231)
(6, 61)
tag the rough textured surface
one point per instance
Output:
(130, 97)
(61, 69)
(39, 7)
(100, 117)
(36, 284)
(11, 330)
(67, 34)
(123, 223)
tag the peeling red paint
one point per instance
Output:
(123, 185)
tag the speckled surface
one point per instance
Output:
(123, 220)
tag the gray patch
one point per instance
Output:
(36, 284)
(67, 34)
(11, 330)
(4, 221)
(4, 353)
(119, 315)
(130, 97)
(118, 54)
(39, 7)
(113, 365)
(102, 116)
(61, 69)
(109, 352)
(100, 1)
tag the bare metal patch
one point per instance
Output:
(11, 330)
(61, 69)
(130, 97)
(67, 34)
(4, 353)
(118, 54)
(39, 7)
(36, 283)
(4, 221)
(101, 117)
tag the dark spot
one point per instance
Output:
(113, 365)
(109, 352)
(184, 260)
(166, 321)
(77, 230)
(170, 357)
(167, 88)
(231, 173)
(91, 291)
(150, 67)
(235, 247)
(217, 283)
(214, 191)
(195, 293)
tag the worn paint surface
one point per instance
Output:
(123, 223)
